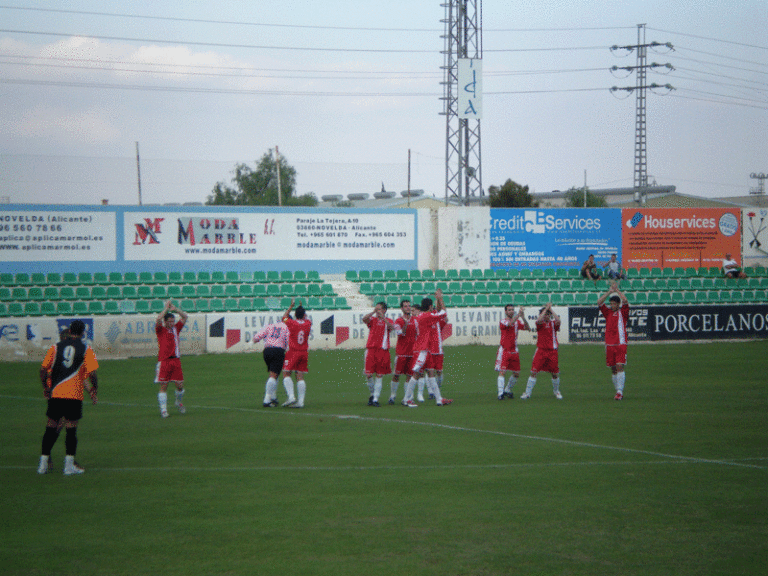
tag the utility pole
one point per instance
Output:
(640, 87)
(462, 96)
(138, 171)
(279, 189)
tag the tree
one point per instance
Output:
(511, 195)
(259, 187)
(574, 198)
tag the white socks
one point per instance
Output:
(620, 378)
(500, 385)
(556, 384)
(301, 389)
(434, 389)
(530, 385)
(270, 392)
(410, 386)
(288, 383)
(179, 396)
(162, 400)
(393, 388)
(377, 385)
(511, 383)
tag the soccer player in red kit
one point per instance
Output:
(405, 328)
(616, 322)
(545, 359)
(427, 340)
(508, 357)
(297, 356)
(377, 360)
(168, 368)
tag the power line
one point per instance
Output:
(710, 39)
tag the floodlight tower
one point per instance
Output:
(462, 96)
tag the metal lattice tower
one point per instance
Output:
(641, 150)
(463, 39)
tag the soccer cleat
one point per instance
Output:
(501, 397)
(445, 402)
(45, 465)
(420, 398)
(431, 396)
(558, 395)
(619, 396)
(72, 469)
(181, 408)
(164, 414)
(509, 394)
(267, 404)
(273, 402)
(290, 402)
(524, 396)
(375, 404)
(410, 404)
(391, 401)
(370, 401)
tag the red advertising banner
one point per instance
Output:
(679, 237)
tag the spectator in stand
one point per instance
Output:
(731, 268)
(589, 269)
(613, 269)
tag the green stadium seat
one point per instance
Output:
(665, 297)
(80, 308)
(328, 302)
(537, 273)
(22, 279)
(244, 290)
(175, 278)
(259, 277)
(99, 293)
(691, 272)
(7, 279)
(232, 277)
(144, 292)
(4, 310)
(19, 294)
(38, 279)
(189, 277)
(218, 277)
(470, 300)
(6, 294)
(518, 299)
(390, 275)
(83, 293)
(95, 307)
(495, 300)
(131, 278)
(314, 276)
(100, 278)
(581, 298)
(217, 305)
(761, 296)
(32, 308)
(128, 292)
(414, 275)
(630, 297)
(689, 297)
(456, 300)
(641, 298)
(48, 308)
(557, 299)
(501, 273)
(160, 278)
(35, 293)
(749, 296)
(204, 277)
(15, 309)
(50, 293)
(464, 274)
(115, 278)
(440, 274)
(341, 303)
(244, 304)
(654, 298)
(377, 275)
(189, 306)
(300, 276)
(173, 291)
(259, 304)
(203, 305)
(531, 299)
(427, 275)
(231, 305)
(286, 289)
(363, 276)
(667, 272)
(231, 291)
(678, 297)
(672, 284)
(260, 290)
(569, 299)
(112, 307)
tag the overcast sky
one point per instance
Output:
(345, 89)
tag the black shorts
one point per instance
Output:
(274, 358)
(72, 410)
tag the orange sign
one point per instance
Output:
(679, 237)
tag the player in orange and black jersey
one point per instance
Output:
(65, 369)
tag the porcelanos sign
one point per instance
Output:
(679, 237)
(307, 236)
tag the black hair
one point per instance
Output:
(382, 304)
(615, 298)
(403, 302)
(77, 328)
(300, 312)
(168, 315)
(426, 304)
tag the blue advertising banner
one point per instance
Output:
(553, 238)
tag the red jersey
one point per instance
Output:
(168, 341)
(406, 335)
(547, 334)
(615, 324)
(378, 336)
(426, 324)
(299, 333)
(509, 330)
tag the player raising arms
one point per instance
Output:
(297, 357)
(545, 359)
(426, 335)
(405, 328)
(508, 357)
(168, 368)
(616, 322)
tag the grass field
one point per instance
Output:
(672, 480)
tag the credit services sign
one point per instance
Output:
(553, 238)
